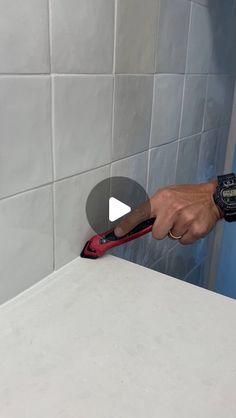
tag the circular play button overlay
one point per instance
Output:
(111, 200)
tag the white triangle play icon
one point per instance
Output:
(117, 209)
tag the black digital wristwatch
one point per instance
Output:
(225, 196)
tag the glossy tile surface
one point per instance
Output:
(24, 39)
(207, 165)
(200, 40)
(172, 36)
(26, 245)
(71, 225)
(194, 105)
(216, 90)
(223, 134)
(181, 260)
(83, 120)
(134, 167)
(188, 155)
(82, 36)
(132, 115)
(168, 92)
(136, 36)
(162, 167)
(25, 133)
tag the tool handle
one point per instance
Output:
(100, 244)
(138, 231)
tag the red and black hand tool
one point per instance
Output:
(98, 245)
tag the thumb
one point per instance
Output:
(142, 213)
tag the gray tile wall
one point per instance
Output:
(92, 88)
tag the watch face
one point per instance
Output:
(229, 196)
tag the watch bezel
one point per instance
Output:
(225, 183)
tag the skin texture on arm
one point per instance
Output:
(188, 211)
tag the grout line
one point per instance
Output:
(157, 34)
(205, 106)
(188, 41)
(148, 172)
(82, 172)
(31, 189)
(115, 36)
(50, 34)
(54, 171)
(180, 126)
(184, 86)
(150, 134)
(52, 133)
(113, 119)
(34, 75)
(114, 86)
(106, 164)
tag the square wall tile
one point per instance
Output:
(83, 123)
(25, 133)
(222, 19)
(162, 167)
(132, 115)
(195, 276)
(200, 40)
(136, 36)
(82, 36)
(172, 36)
(166, 112)
(134, 167)
(215, 102)
(187, 166)
(223, 135)
(26, 245)
(181, 260)
(203, 2)
(160, 265)
(208, 156)
(72, 229)
(228, 99)
(133, 251)
(24, 38)
(194, 105)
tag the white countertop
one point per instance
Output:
(109, 339)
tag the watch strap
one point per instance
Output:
(230, 216)
(226, 180)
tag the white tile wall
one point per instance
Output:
(200, 40)
(188, 156)
(26, 244)
(71, 226)
(25, 132)
(83, 122)
(214, 102)
(136, 36)
(134, 167)
(24, 38)
(82, 36)
(162, 167)
(168, 92)
(193, 105)
(78, 103)
(132, 115)
(172, 36)
(207, 165)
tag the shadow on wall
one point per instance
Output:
(222, 22)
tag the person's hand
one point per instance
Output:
(187, 212)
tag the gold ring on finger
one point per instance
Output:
(172, 236)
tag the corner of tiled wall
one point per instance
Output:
(95, 88)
